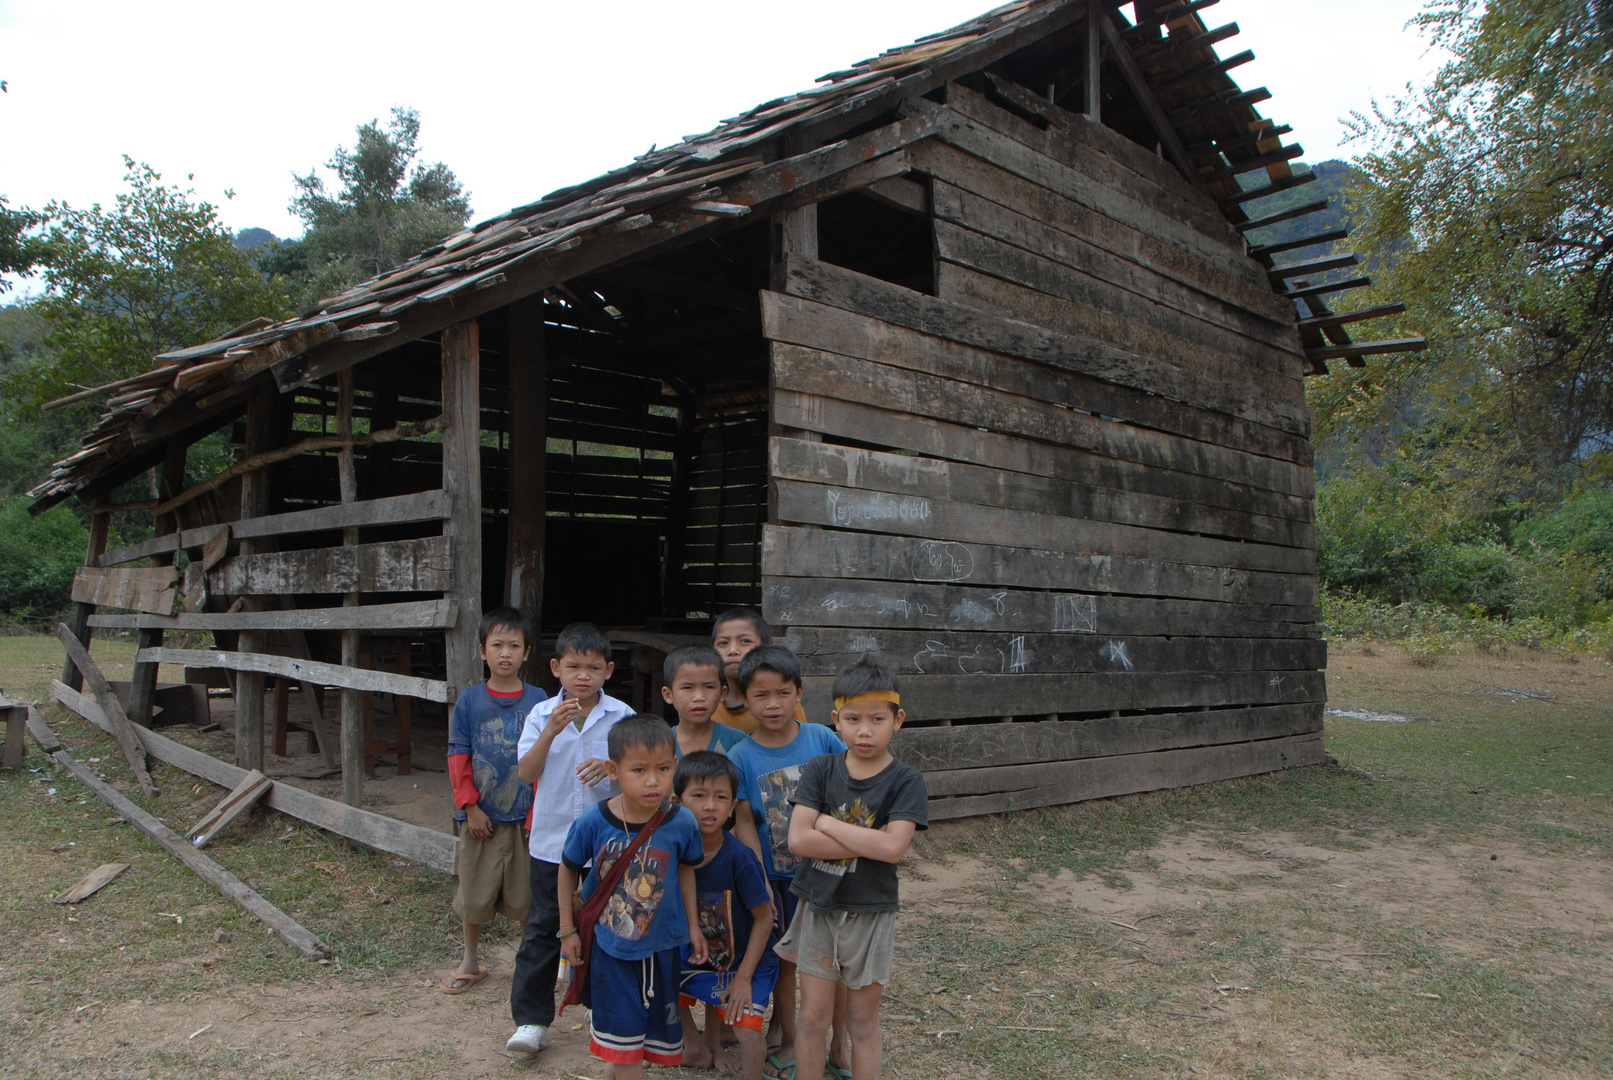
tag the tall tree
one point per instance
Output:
(1489, 198)
(385, 207)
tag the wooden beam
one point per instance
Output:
(245, 795)
(1368, 348)
(1265, 251)
(1342, 318)
(248, 688)
(1286, 184)
(1092, 72)
(1183, 43)
(1278, 274)
(1305, 291)
(353, 735)
(421, 565)
(1244, 100)
(157, 375)
(354, 678)
(79, 622)
(152, 589)
(1249, 165)
(527, 525)
(1169, 139)
(1204, 71)
(410, 615)
(462, 480)
(1284, 215)
(117, 719)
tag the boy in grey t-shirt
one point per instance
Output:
(854, 817)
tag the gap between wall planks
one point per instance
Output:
(117, 720)
(321, 674)
(424, 846)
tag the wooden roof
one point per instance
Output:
(1180, 86)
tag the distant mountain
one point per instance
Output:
(252, 239)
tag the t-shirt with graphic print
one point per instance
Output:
(727, 888)
(645, 912)
(767, 780)
(482, 736)
(895, 793)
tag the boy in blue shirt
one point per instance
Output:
(633, 970)
(736, 913)
(769, 764)
(493, 802)
(694, 687)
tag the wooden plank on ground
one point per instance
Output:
(252, 787)
(320, 674)
(428, 847)
(92, 883)
(934, 750)
(1106, 777)
(43, 735)
(117, 719)
(412, 615)
(136, 588)
(422, 565)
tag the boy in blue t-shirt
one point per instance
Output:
(492, 800)
(694, 687)
(736, 918)
(769, 764)
(633, 970)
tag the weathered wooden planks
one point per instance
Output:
(1104, 777)
(411, 615)
(91, 883)
(117, 720)
(422, 565)
(154, 589)
(353, 678)
(242, 798)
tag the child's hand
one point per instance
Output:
(571, 949)
(479, 824)
(592, 771)
(736, 999)
(697, 946)
(563, 714)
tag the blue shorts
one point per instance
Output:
(635, 1006)
(703, 984)
(784, 901)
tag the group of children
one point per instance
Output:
(708, 862)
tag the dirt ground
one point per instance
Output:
(1430, 907)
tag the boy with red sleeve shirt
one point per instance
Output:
(495, 805)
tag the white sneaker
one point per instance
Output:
(528, 1039)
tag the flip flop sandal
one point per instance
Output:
(457, 983)
(837, 1072)
(782, 1070)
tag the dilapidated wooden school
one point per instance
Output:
(960, 359)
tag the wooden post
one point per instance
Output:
(462, 480)
(795, 236)
(1094, 65)
(353, 736)
(143, 683)
(79, 622)
(674, 597)
(528, 463)
(254, 503)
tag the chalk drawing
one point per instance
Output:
(863, 643)
(1277, 681)
(874, 508)
(1017, 661)
(937, 657)
(1118, 655)
(782, 603)
(852, 600)
(938, 560)
(1074, 613)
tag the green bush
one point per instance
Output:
(38, 556)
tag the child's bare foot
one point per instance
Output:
(697, 1055)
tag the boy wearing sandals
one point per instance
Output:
(492, 800)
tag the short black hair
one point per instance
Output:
(744, 614)
(865, 677)
(775, 658)
(508, 618)
(648, 732)
(582, 637)
(700, 655)
(705, 765)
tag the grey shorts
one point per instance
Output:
(853, 947)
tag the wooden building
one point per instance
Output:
(959, 359)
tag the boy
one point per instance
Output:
(565, 742)
(736, 911)
(693, 687)
(769, 763)
(632, 972)
(482, 740)
(735, 633)
(855, 815)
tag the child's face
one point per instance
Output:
(866, 727)
(732, 640)
(580, 673)
(694, 692)
(504, 650)
(645, 775)
(772, 699)
(710, 801)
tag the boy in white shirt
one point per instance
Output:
(564, 751)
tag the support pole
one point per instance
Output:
(462, 480)
(528, 464)
(353, 748)
(143, 683)
(79, 622)
(1094, 65)
(254, 503)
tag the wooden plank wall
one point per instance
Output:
(1072, 489)
(727, 506)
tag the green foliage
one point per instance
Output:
(386, 208)
(20, 248)
(37, 555)
(156, 272)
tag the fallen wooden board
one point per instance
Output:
(384, 682)
(43, 735)
(254, 787)
(117, 719)
(285, 927)
(428, 847)
(92, 883)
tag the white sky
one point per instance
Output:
(520, 98)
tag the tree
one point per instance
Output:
(20, 248)
(157, 272)
(1488, 203)
(386, 208)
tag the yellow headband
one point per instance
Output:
(874, 695)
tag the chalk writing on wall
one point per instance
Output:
(1074, 613)
(937, 657)
(938, 560)
(874, 508)
(1018, 660)
(1117, 654)
(863, 643)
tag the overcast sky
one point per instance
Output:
(520, 98)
